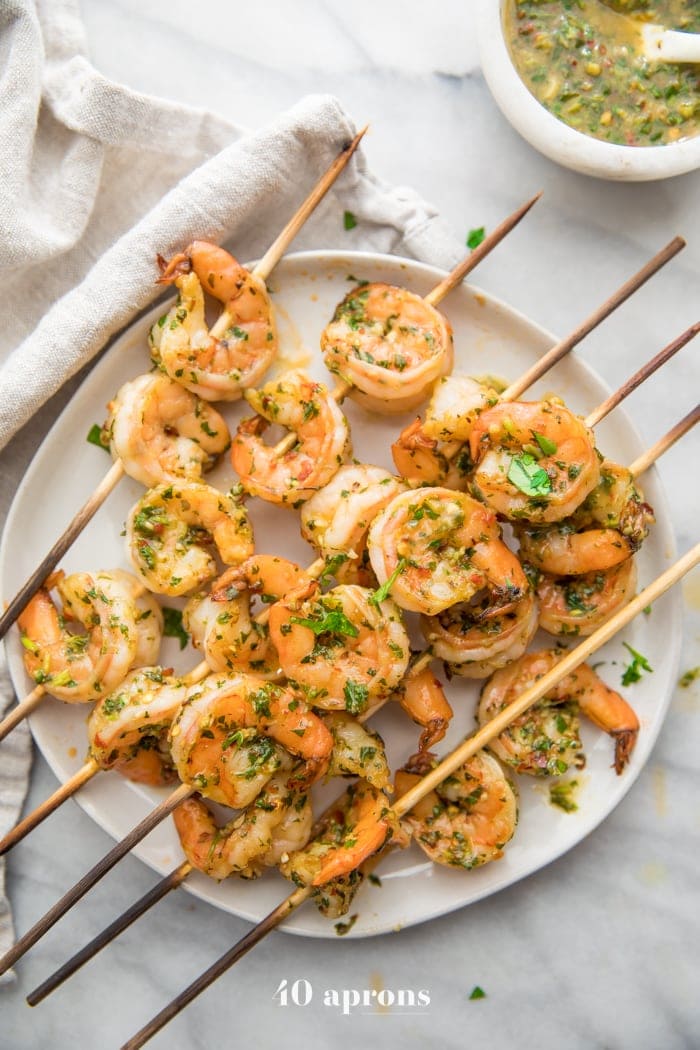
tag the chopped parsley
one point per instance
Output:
(548, 447)
(689, 677)
(475, 237)
(528, 477)
(172, 626)
(331, 567)
(633, 670)
(94, 436)
(382, 593)
(356, 697)
(561, 795)
(349, 220)
(341, 928)
(332, 621)
(477, 993)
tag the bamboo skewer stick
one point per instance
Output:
(155, 894)
(117, 471)
(72, 785)
(77, 892)
(111, 479)
(641, 375)
(562, 348)
(449, 765)
(439, 292)
(144, 904)
(22, 710)
(651, 455)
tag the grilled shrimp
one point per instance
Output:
(610, 526)
(278, 822)
(389, 344)
(337, 518)
(168, 528)
(162, 432)
(82, 665)
(475, 641)
(236, 730)
(322, 440)
(353, 830)
(357, 751)
(220, 364)
(149, 617)
(222, 624)
(434, 547)
(341, 650)
(578, 605)
(545, 740)
(468, 819)
(433, 450)
(128, 730)
(534, 460)
(423, 699)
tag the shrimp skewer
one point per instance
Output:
(428, 783)
(431, 299)
(117, 470)
(535, 461)
(429, 451)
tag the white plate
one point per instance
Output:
(490, 338)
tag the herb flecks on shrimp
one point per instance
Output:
(545, 740)
(433, 547)
(341, 650)
(271, 827)
(162, 432)
(468, 819)
(389, 344)
(322, 440)
(80, 665)
(236, 730)
(220, 364)
(534, 460)
(172, 528)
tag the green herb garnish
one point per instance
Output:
(382, 593)
(633, 670)
(477, 993)
(548, 447)
(528, 477)
(561, 795)
(333, 621)
(349, 220)
(475, 237)
(688, 678)
(172, 626)
(341, 928)
(356, 697)
(94, 436)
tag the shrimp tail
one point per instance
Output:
(179, 265)
(625, 740)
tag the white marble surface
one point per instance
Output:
(599, 949)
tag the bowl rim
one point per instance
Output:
(555, 139)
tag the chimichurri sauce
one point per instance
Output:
(583, 61)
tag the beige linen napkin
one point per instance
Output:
(94, 181)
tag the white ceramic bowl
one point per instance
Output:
(557, 140)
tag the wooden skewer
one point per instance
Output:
(117, 471)
(144, 904)
(77, 892)
(431, 780)
(73, 784)
(562, 348)
(170, 882)
(439, 292)
(48, 564)
(663, 444)
(638, 467)
(641, 374)
(22, 710)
